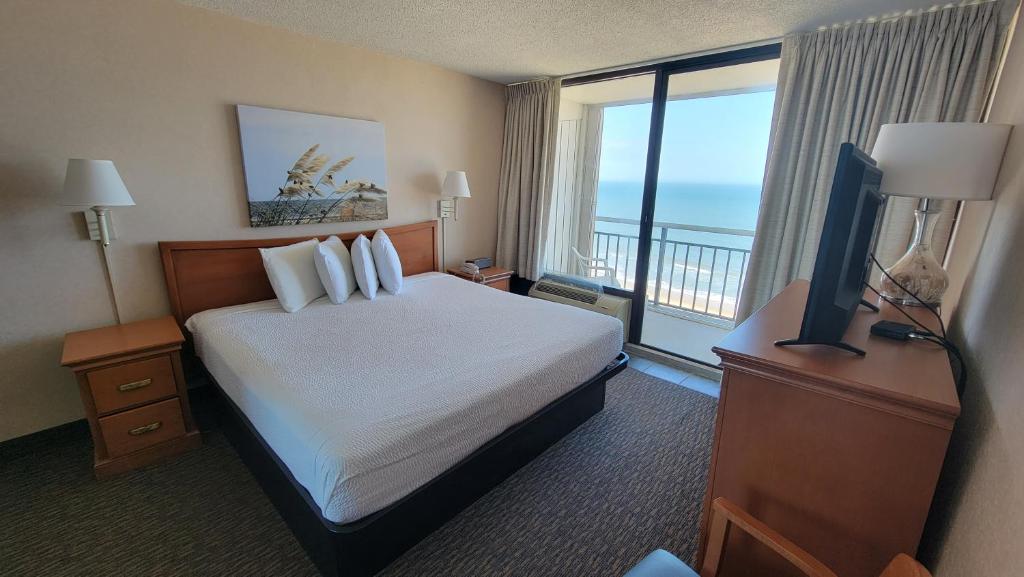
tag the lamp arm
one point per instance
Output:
(103, 223)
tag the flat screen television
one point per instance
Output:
(844, 250)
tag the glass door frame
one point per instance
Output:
(662, 71)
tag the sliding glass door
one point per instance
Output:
(714, 144)
(658, 181)
(603, 132)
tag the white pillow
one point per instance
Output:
(292, 273)
(389, 267)
(362, 265)
(334, 265)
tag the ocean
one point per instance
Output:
(694, 275)
(703, 204)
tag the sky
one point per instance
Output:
(272, 140)
(721, 139)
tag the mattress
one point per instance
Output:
(366, 401)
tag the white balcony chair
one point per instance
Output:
(596, 269)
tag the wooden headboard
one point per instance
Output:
(207, 274)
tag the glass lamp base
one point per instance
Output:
(920, 272)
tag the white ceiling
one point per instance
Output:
(512, 40)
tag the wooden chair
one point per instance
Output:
(724, 516)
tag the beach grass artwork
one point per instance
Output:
(309, 168)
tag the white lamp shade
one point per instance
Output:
(94, 183)
(455, 184)
(941, 160)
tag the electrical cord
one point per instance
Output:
(961, 376)
(896, 306)
(930, 308)
(926, 334)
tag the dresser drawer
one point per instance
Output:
(139, 428)
(132, 383)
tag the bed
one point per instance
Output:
(371, 423)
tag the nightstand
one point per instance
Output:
(493, 276)
(133, 390)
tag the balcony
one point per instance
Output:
(714, 130)
(693, 286)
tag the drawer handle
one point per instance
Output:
(145, 429)
(134, 385)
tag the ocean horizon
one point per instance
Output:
(721, 205)
(692, 277)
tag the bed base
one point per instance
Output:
(364, 547)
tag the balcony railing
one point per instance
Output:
(702, 278)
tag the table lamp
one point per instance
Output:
(934, 161)
(95, 184)
(455, 186)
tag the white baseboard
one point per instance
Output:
(674, 361)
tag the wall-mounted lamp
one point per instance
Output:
(97, 185)
(455, 186)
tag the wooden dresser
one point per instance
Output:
(133, 390)
(839, 453)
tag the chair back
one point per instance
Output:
(904, 566)
(725, 515)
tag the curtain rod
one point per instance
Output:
(894, 16)
(764, 42)
(529, 81)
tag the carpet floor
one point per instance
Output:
(629, 480)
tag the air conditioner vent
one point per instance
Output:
(581, 297)
(567, 292)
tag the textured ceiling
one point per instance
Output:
(512, 40)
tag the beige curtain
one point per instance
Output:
(589, 161)
(840, 85)
(527, 175)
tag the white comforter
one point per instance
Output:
(368, 400)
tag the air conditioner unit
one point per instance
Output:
(584, 298)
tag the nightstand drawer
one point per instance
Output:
(502, 285)
(494, 277)
(132, 383)
(133, 391)
(139, 428)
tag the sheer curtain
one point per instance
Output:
(589, 167)
(840, 85)
(526, 177)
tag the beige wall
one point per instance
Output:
(151, 85)
(979, 513)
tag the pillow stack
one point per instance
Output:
(366, 271)
(389, 268)
(334, 265)
(303, 272)
(292, 273)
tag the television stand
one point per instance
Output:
(870, 305)
(837, 344)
